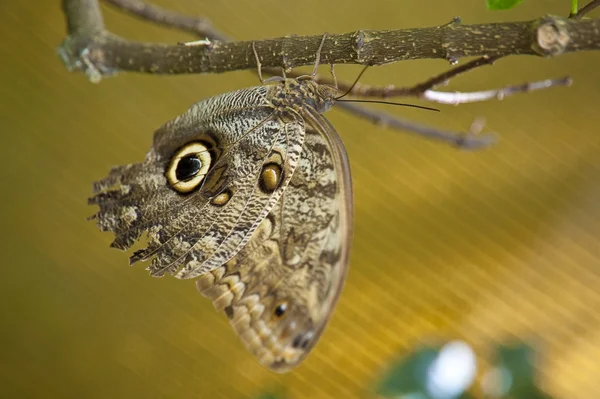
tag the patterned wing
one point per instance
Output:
(280, 289)
(195, 195)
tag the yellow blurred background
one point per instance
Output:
(488, 246)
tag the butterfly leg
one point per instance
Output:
(313, 75)
(332, 71)
(258, 64)
(318, 56)
(259, 68)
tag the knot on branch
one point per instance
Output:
(450, 26)
(78, 54)
(358, 39)
(551, 37)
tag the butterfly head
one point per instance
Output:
(304, 91)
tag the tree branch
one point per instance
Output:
(470, 140)
(83, 17)
(98, 52)
(195, 25)
(417, 90)
(108, 53)
(585, 10)
(456, 98)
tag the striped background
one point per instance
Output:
(492, 246)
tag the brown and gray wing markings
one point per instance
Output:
(187, 230)
(299, 252)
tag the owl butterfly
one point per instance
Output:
(250, 193)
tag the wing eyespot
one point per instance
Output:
(280, 310)
(301, 341)
(270, 177)
(222, 199)
(188, 166)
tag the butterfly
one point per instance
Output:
(250, 193)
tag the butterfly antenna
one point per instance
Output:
(391, 103)
(339, 98)
(353, 84)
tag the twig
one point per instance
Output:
(102, 45)
(361, 90)
(547, 36)
(83, 17)
(196, 25)
(469, 140)
(477, 96)
(201, 27)
(423, 90)
(585, 10)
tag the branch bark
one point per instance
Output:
(103, 52)
(585, 10)
(195, 25)
(91, 48)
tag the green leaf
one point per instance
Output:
(516, 362)
(501, 4)
(408, 374)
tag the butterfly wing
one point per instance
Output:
(250, 191)
(196, 194)
(280, 289)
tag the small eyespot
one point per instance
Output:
(270, 177)
(222, 198)
(280, 310)
(188, 167)
(301, 341)
(229, 312)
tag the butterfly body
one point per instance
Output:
(250, 193)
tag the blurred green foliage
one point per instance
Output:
(511, 376)
(501, 4)
(408, 374)
(515, 368)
